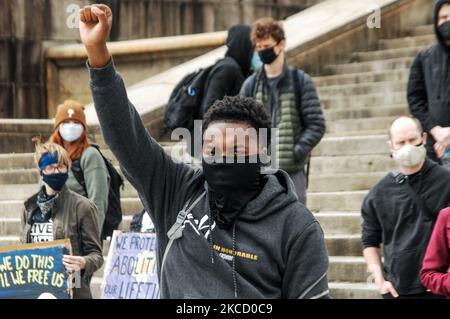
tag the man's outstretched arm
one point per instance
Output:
(158, 179)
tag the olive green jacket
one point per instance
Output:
(96, 178)
(75, 218)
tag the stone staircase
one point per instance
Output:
(360, 97)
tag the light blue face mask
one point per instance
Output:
(256, 62)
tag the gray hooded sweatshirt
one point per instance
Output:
(276, 248)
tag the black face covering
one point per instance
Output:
(231, 186)
(268, 55)
(444, 30)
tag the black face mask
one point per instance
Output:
(231, 186)
(268, 56)
(444, 30)
(55, 181)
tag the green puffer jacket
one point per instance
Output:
(300, 129)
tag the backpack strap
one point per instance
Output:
(254, 83)
(176, 231)
(77, 172)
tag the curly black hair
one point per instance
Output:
(238, 109)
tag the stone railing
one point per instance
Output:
(137, 60)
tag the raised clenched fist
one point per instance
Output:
(95, 24)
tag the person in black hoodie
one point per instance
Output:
(400, 212)
(227, 76)
(224, 230)
(429, 83)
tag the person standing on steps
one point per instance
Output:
(70, 133)
(55, 212)
(290, 97)
(428, 88)
(243, 232)
(400, 211)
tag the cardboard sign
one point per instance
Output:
(130, 271)
(34, 271)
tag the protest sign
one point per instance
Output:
(34, 271)
(130, 271)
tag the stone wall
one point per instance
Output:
(27, 27)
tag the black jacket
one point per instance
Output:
(429, 83)
(391, 217)
(228, 74)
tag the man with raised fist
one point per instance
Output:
(226, 230)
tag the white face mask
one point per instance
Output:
(409, 155)
(71, 132)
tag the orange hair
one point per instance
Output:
(265, 28)
(74, 149)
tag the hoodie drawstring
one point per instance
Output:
(211, 243)
(234, 261)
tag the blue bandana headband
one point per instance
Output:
(48, 159)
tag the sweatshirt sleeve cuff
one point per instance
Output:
(101, 77)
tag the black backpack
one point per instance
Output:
(113, 214)
(185, 100)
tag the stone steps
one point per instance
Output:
(355, 90)
(343, 182)
(385, 54)
(332, 115)
(9, 240)
(351, 164)
(355, 145)
(338, 201)
(349, 290)
(369, 124)
(423, 30)
(364, 100)
(340, 223)
(407, 42)
(371, 66)
(363, 77)
(347, 269)
(23, 191)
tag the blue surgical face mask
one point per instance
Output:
(256, 62)
(55, 181)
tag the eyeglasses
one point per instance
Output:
(52, 169)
